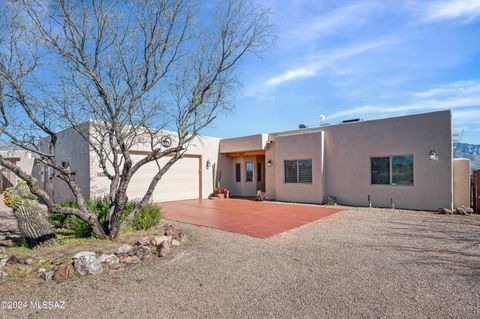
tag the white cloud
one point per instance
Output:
(318, 63)
(453, 9)
(467, 116)
(455, 95)
(460, 88)
(303, 30)
(425, 105)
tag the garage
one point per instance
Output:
(182, 180)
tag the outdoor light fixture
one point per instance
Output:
(433, 155)
(269, 162)
(208, 164)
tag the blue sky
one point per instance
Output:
(367, 59)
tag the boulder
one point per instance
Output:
(83, 254)
(2, 250)
(87, 264)
(140, 251)
(181, 237)
(64, 271)
(163, 249)
(110, 260)
(143, 242)
(125, 250)
(170, 230)
(13, 260)
(47, 275)
(175, 242)
(28, 261)
(155, 241)
(3, 274)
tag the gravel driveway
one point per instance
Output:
(360, 263)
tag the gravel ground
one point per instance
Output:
(360, 263)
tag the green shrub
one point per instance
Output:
(147, 218)
(330, 200)
(74, 226)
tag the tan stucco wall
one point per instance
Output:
(244, 143)
(348, 148)
(296, 147)
(461, 182)
(25, 163)
(207, 147)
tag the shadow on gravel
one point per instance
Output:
(451, 244)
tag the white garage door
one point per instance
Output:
(182, 180)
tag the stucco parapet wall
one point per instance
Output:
(244, 143)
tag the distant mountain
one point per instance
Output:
(470, 151)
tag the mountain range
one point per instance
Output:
(470, 151)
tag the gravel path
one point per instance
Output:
(360, 263)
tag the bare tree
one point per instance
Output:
(118, 73)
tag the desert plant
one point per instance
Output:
(149, 216)
(32, 221)
(330, 200)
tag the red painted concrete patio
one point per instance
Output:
(245, 216)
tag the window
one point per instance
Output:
(237, 172)
(298, 171)
(259, 172)
(249, 172)
(392, 170)
(402, 170)
(380, 169)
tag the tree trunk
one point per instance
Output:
(34, 226)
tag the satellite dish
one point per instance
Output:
(322, 118)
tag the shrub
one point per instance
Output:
(148, 217)
(330, 200)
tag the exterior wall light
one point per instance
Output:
(207, 165)
(433, 155)
(269, 162)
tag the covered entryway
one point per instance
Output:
(181, 181)
(243, 216)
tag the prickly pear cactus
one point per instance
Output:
(32, 221)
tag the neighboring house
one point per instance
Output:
(22, 159)
(404, 160)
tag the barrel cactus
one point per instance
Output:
(32, 220)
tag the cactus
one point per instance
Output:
(32, 221)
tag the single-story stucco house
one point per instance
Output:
(403, 160)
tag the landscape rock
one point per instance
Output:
(142, 250)
(3, 274)
(40, 270)
(47, 275)
(64, 271)
(181, 237)
(155, 241)
(143, 242)
(125, 250)
(462, 210)
(444, 211)
(2, 250)
(28, 261)
(13, 260)
(175, 242)
(170, 230)
(163, 249)
(82, 254)
(110, 260)
(87, 264)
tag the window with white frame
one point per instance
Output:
(298, 171)
(392, 170)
